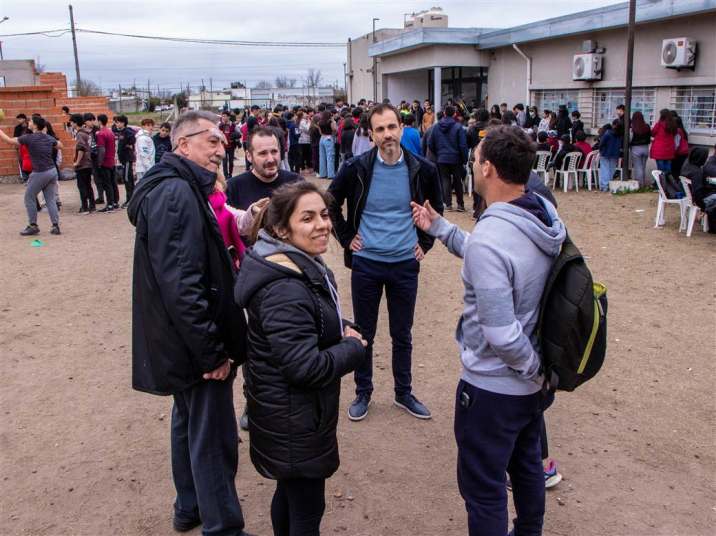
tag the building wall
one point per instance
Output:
(360, 84)
(407, 86)
(46, 98)
(18, 72)
(435, 56)
(552, 67)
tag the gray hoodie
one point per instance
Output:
(508, 257)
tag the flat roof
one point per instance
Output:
(603, 18)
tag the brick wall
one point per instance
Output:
(47, 99)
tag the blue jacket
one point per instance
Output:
(293, 132)
(411, 140)
(610, 144)
(448, 142)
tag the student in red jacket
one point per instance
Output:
(663, 147)
(681, 143)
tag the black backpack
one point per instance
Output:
(572, 328)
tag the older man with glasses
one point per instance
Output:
(187, 333)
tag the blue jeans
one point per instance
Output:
(496, 434)
(606, 171)
(664, 165)
(400, 280)
(327, 165)
(205, 457)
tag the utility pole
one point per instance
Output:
(626, 171)
(375, 68)
(149, 93)
(120, 98)
(74, 46)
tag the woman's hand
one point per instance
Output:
(350, 332)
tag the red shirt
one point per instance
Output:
(584, 147)
(105, 138)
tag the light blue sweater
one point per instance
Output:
(386, 225)
(508, 257)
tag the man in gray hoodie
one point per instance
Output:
(500, 400)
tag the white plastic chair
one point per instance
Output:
(541, 162)
(693, 208)
(620, 165)
(568, 169)
(663, 201)
(590, 169)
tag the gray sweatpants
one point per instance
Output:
(45, 182)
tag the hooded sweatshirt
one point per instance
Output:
(448, 142)
(507, 259)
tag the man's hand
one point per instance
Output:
(356, 243)
(256, 207)
(424, 216)
(350, 332)
(419, 253)
(221, 372)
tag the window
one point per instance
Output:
(551, 99)
(697, 108)
(607, 100)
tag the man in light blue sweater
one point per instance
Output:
(500, 400)
(384, 249)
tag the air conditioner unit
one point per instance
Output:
(587, 67)
(678, 52)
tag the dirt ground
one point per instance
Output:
(81, 453)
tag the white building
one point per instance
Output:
(578, 60)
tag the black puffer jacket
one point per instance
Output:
(296, 357)
(184, 319)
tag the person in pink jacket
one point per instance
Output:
(232, 222)
(663, 146)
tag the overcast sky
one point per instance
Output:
(110, 61)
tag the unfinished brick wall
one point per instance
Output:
(47, 99)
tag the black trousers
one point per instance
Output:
(109, 185)
(228, 163)
(297, 506)
(84, 185)
(205, 457)
(305, 155)
(498, 433)
(128, 174)
(295, 158)
(451, 177)
(98, 182)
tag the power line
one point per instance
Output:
(306, 44)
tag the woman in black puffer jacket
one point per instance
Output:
(298, 348)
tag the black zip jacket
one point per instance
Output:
(296, 358)
(184, 319)
(352, 185)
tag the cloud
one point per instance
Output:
(111, 61)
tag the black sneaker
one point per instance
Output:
(244, 420)
(108, 208)
(448, 208)
(461, 209)
(30, 230)
(81, 211)
(182, 525)
(99, 201)
(359, 408)
(413, 406)
(125, 204)
(55, 229)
